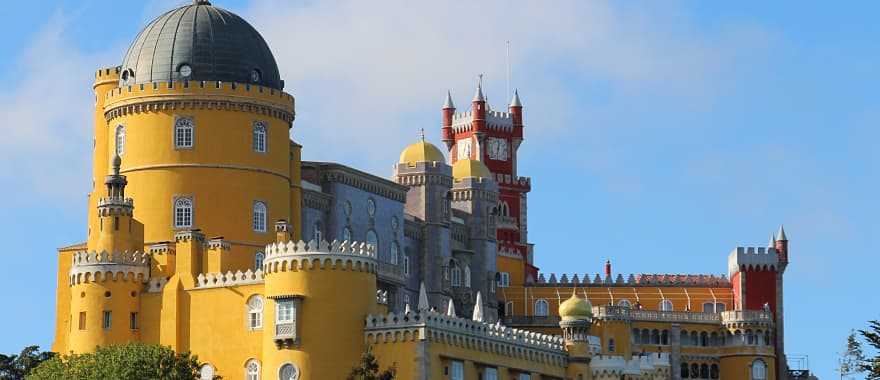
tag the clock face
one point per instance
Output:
(498, 149)
(464, 148)
(185, 71)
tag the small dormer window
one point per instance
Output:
(256, 76)
(185, 71)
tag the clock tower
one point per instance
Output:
(494, 137)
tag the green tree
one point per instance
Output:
(15, 367)
(368, 369)
(872, 336)
(135, 361)
(852, 357)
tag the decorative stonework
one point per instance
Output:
(95, 267)
(652, 280)
(466, 333)
(316, 200)
(228, 279)
(280, 257)
(652, 366)
(332, 172)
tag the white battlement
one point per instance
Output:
(507, 179)
(641, 279)
(220, 280)
(115, 201)
(280, 256)
(431, 325)
(752, 258)
(100, 266)
(613, 365)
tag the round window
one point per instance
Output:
(256, 76)
(371, 207)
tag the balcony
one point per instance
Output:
(391, 273)
(623, 313)
(747, 316)
(285, 335)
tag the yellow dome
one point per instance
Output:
(575, 308)
(470, 168)
(420, 152)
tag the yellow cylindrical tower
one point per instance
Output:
(106, 79)
(318, 299)
(576, 318)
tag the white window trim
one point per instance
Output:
(664, 302)
(505, 280)
(456, 370)
(546, 307)
(260, 125)
(295, 371)
(394, 253)
(259, 225)
(259, 259)
(192, 212)
(120, 140)
(192, 127)
(248, 375)
(255, 310)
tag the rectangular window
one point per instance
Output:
(106, 320)
(406, 265)
(490, 373)
(82, 320)
(525, 376)
(133, 321)
(285, 318)
(255, 319)
(284, 312)
(505, 280)
(457, 371)
(183, 133)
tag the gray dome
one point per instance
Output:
(200, 42)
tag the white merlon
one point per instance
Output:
(634, 280)
(219, 280)
(99, 266)
(280, 256)
(752, 258)
(478, 308)
(450, 309)
(423, 298)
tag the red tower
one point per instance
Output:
(494, 137)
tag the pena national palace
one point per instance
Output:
(207, 233)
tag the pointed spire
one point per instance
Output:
(478, 308)
(780, 236)
(423, 298)
(448, 104)
(772, 243)
(407, 309)
(478, 97)
(515, 101)
(450, 310)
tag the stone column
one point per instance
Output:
(675, 351)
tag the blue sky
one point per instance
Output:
(658, 135)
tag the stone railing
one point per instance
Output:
(642, 365)
(624, 313)
(430, 325)
(391, 272)
(220, 280)
(506, 222)
(89, 266)
(532, 321)
(746, 317)
(115, 201)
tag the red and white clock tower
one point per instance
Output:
(494, 137)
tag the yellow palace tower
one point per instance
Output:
(208, 234)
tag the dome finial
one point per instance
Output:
(201, 2)
(117, 162)
(422, 134)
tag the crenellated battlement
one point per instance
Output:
(700, 280)
(228, 279)
(481, 336)
(101, 266)
(108, 74)
(752, 258)
(497, 120)
(281, 257)
(508, 180)
(212, 95)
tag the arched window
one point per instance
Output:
(456, 276)
(624, 303)
(508, 308)
(542, 308)
(206, 372)
(708, 307)
(255, 312)
(704, 339)
(611, 345)
(695, 371)
(684, 338)
(719, 307)
(704, 371)
(406, 265)
(252, 370)
(646, 336)
(759, 370)
(467, 276)
(695, 339)
(714, 372)
(288, 372)
(259, 137)
(259, 217)
(394, 253)
(655, 336)
(750, 337)
(259, 257)
(636, 337)
(373, 240)
(317, 232)
(346, 234)
(664, 337)
(183, 213)
(766, 338)
(120, 140)
(183, 133)
(666, 305)
(713, 339)
(684, 371)
(504, 280)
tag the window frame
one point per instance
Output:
(294, 375)
(664, 302)
(394, 253)
(252, 373)
(192, 212)
(278, 307)
(119, 136)
(254, 308)
(346, 234)
(107, 320)
(505, 280)
(259, 225)
(406, 272)
(184, 124)
(260, 135)
(259, 259)
(456, 370)
(545, 308)
(133, 323)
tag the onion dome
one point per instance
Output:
(575, 308)
(200, 42)
(422, 151)
(470, 168)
